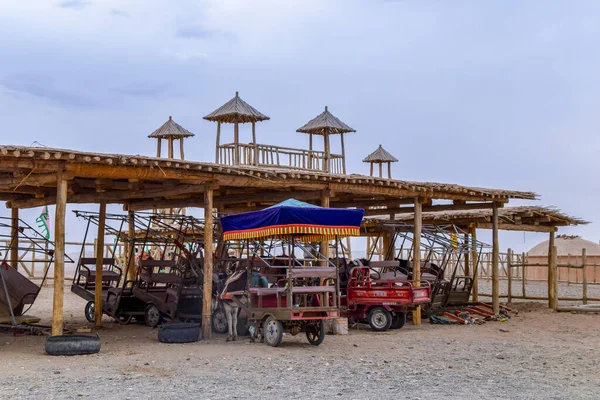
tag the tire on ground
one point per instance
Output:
(179, 332)
(72, 345)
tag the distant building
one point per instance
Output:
(569, 251)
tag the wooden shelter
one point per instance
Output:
(522, 218)
(236, 111)
(170, 131)
(326, 124)
(380, 157)
(34, 176)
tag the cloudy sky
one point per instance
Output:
(487, 93)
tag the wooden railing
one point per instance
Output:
(277, 156)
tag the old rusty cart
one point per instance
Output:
(302, 285)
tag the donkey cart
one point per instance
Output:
(295, 287)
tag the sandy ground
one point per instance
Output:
(535, 355)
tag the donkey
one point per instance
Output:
(233, 297)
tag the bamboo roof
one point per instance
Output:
(325, 124)
(28, 177)
(526, 218)
(236, 110)
(380, 155)
(170, 129)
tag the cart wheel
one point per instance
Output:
(152, 316)
(124, 319)
(380, 319)
(316, 333)
(273, 332)
(398, 320)
(219, 321)
(90, 311)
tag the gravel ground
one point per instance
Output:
(535, 355)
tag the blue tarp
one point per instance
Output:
(293, 217)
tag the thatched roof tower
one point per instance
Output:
(170, 131)
(326, 124)
(381, 156)
(236, 111)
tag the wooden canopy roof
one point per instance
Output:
(325, 124)
(522, 218)
(236, 110)
(28, 177)
(380, 155)
(170, 129)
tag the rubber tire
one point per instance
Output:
(321, 328)
(150, 320)
(72, 345)
(89, 312)
(276, 328)
(374, 313)
(398, 320)
(219, 321)
(179, 332)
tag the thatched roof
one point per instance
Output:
(236, 110)
(513, 216)
(380, 155)
(325, 123)
(170, 129)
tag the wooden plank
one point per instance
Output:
(99, 258)
(417, 255)
(518, 228)
(433, 208)
(208, 263)
(59, 257)
(495, 262)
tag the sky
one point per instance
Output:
(491, 94)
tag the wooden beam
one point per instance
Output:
(275, 196)
(551, 270)
(495, 262)
(218, 142)
(555, 275)
(131, 272)
(324, 246)
(474, 260)
(343, 154)
(188, 201)
(433, 208)
(59, 257)
(417, 255)
(208, 263)
(14, 239)
(99, 265)
(158, 144)
(518, 228)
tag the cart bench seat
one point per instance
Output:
(313, 272)
(160, 278)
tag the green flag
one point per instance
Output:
(44, 222)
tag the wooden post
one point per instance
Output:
(474, 257)
(181, 148)
(14, 238)
(254, 143)
(509, 254)
(381, 170)
(466, 269)
(343, 154)
(551, 271)
(371, 169)
(389, 170)
(584, 276)
(99, 263)
(236, 145)
(417, 255)
(158, 144)
(324, 246)
(59, 256)
(524, 277)
(131, 272)
(217, 160)
(327, 152)
(170, 144)
(208, 263)
(495, 262)
(555, 283)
